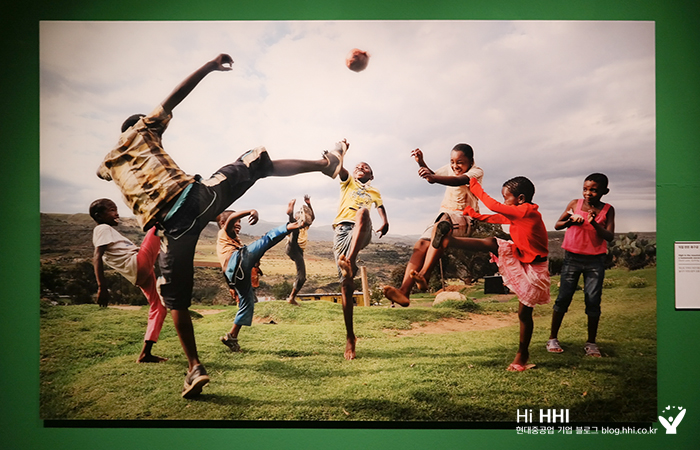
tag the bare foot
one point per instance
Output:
(291, 301)
(350, 348)
(345, 266)
(396, 296)
(150, 359)
(420, 281)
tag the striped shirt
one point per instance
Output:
(146, 175)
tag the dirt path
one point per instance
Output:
(475, 322)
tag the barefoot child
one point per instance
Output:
(590, 225)
(163, 195)
(450, 220)
(133, 263)
(238, 260)
(296, 243)
(352, 232)
(523, 261)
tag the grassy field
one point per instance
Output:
(293, 370)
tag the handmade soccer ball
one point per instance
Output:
(357, 60)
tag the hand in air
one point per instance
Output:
(253, 217)
(223, 62)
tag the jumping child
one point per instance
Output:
(352, 232)
(296, 243)
(181, 205)
(238, 260)
(133, 263)
(522, 262)
(590, 225)
(427, 251)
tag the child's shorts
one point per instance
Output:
(343, 238)
(200, 204)
(461, 225)
(530, 282)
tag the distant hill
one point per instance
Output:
(69, 236)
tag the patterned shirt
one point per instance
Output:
(145, 174)
(353, 196)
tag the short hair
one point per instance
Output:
(98, 207)
(521, 185)
(223, 217)
(131, 121)
(599, 178)
(466, 150)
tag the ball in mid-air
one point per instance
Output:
(357, 60)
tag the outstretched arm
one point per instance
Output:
(511, 212)
(385, 227)
(488, 218)
(220, 63)
(233, 218)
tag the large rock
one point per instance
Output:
(442, 296)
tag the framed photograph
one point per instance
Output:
(556, 96)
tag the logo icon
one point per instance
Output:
(671, 423)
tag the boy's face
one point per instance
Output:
(110, 215)
(460, 163)
(592, 192)
(237, 226)
(363, 172)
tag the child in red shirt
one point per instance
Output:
(523, 261)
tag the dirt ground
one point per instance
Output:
(475, 322)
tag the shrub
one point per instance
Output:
(467, 305)
(282, 290)
(633, 253)
(637, 282)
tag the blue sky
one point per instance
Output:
(553, 101)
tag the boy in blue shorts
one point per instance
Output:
(181, 205)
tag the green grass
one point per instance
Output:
(294, 369)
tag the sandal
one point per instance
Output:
(515, 367)
(230, 342)
(592, 350)
(553, 346)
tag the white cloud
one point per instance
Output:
(553, 101)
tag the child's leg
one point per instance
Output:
(570, 273)
(148, 254)
(432, 255)
(415, 263)
(297, 255)
(593, 277)
(257, 249)
(526, 328)
(156, 317)
(361, 236)
(439, 240)
(146, 280)
(330, 164)
(176, 289)
(347, 288)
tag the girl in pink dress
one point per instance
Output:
(521, 261)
